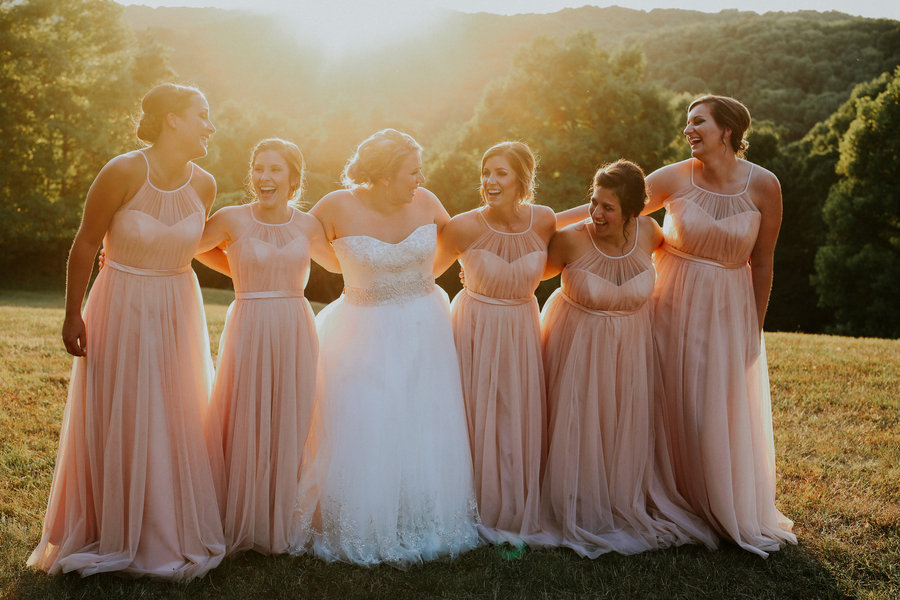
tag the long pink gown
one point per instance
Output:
(265, 383)
(603, 489)
(715, 387)
(133, 487)
(497, 332)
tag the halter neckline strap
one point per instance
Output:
(150, 183)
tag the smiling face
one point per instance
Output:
(499, 182)
(273, 182)
(194, 126)
(403, 185)
(703, 133)
(606, 212)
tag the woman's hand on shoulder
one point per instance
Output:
(570, 216)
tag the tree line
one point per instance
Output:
(582, 87)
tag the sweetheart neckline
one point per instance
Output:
(163, 223)
(612, 283)
(497, 256)
(754, 211)
(411, 233)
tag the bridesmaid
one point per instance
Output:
(502, 248)
(133, 487)
(602, 489)
(721, 213)
(266, 373)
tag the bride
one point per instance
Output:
(387, 475)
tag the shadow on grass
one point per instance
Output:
(688, 572)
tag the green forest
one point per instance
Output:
(580, 86)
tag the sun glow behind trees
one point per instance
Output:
(338, 29)
(341, 28)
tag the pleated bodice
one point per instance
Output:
(598, 281)
(721, 227)
(505, 265)
(156, 229)
(269, 257)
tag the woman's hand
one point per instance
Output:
(74, 335)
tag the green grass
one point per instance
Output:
(836, 406)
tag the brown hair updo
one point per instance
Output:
(523, 164)
(378, 156)
(157, 103)
(626, 180)
(730, 114)
(291, 155)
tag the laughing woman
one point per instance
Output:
(133, 486)
(387, 475)
(502, 248)
(603, 489)
(267, 368)
(722, 219)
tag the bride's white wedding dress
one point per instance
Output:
(387, 474)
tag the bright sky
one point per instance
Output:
(346, 25)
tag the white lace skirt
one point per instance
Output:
(387, 473)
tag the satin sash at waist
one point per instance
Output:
(599, 313)
(705, 261)
(498, 301)
(268, 294)
(145, 272)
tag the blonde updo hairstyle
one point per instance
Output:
(158, 103)
(730, 114)
(521, 160)
(626, 180)
(378, 156)
(291, 155)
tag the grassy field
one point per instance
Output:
(836, 405)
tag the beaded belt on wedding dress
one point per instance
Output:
(599, 313)
(705, 261)
(145, 272)
(498, 301)
(388, 293)
(268, 294)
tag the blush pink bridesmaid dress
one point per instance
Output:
(265, 383)
(603, 489)
(714, 395)
(497, 332)
(133, 487)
